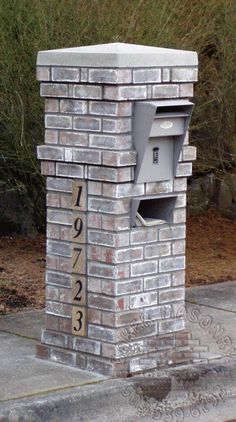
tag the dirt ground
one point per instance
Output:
(211, 258)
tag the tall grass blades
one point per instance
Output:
(27, 26)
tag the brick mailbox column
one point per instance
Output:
(115, 272)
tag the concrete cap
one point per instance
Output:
(117, 55)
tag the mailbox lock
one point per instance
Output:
(155, 151)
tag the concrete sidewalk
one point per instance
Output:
(37, 391)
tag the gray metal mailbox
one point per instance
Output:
(159, 131)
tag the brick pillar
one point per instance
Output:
(114, 292)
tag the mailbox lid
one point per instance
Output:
(166, 125)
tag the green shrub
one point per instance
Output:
(28, 26)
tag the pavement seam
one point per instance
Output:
(209, 306)
(53, 390)
(19, 335)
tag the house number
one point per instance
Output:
(78, 260)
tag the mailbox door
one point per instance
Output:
(167, 126)
(158, 160)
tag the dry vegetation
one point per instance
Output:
(27, 26)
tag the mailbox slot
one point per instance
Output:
(151, 211)
(159, 131)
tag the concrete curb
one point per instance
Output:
(187, 393)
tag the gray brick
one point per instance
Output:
(107, 303)
(124, 350)
(69, 170)
(50, 153)
(87, 123)
(109, 174)
(180, 184)
(94, 188)
(119, 158)
(53, 231)
(165, 91)
(146, 75)
(101, 333)
(58, 248)
(108, 108)
(128, 255)
(115, 223)
(94, 285)
(157, 250)
(87, 345)
(172, 264)
(100, 366)
(84, 74)
(58, 121)
(101, 238)
(128, 287)
(138, 330)
(60, 309)
(123, 190)
(99, 269)
(110, 141)
(43, 73)
(184, 170)
(181, 201)
(189, 153)
(53, 90)
(165, 74)
(158, 312)
(86, 156)
(120, 93)
(124, 318)
(65, 74)
(94, 220)
(108, 206)
(184, 74)
(139, 236)
(178, 278)
(143, 268)
(51, 136)
(186, 90)
(110, 76)
(59, 217)
(73, 138)
(63, 356)
(142, 300)
(73, 106)
(171, 295)
(139, 365)
(48, 168)
(179, 216)
(178, 247)
(57, 278)
(159, 187)
(122, 125)
(55, 339)
(169, 233)
(52, 293)
(171, 326)
(157, 282)
(87, 92)
(59, 184)
(53, 200)
(51, 105)
(108, 239)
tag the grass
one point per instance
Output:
(27, 26)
